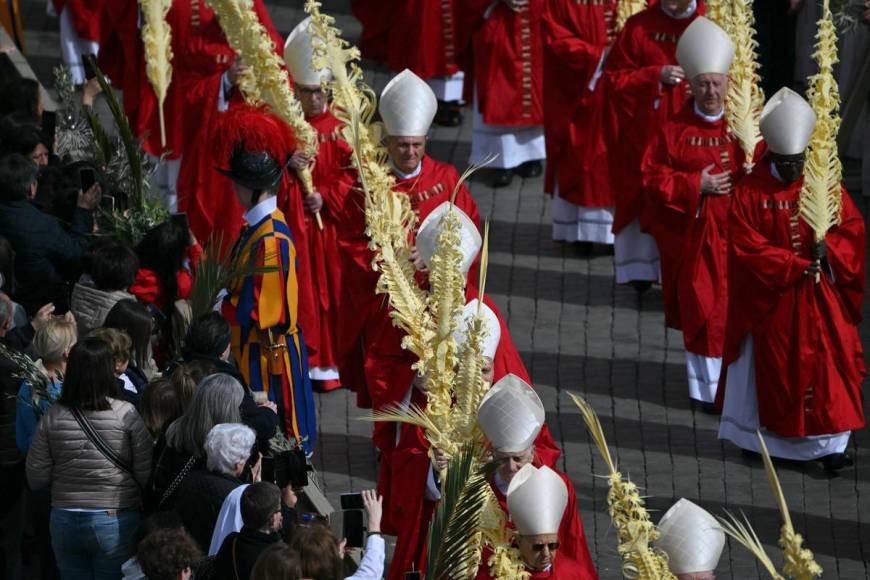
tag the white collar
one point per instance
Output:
(256, 214)
(401, 175)
(682, 15)
(708, 118)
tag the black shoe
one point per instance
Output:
(502, 177)
(641, 285)
(584, 249)
(707, 408)
(837, 461)
(530, 169)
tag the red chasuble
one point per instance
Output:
(85, 16)
(204, 194)
(576, 33)
(409, 510)
(333, 178)
(809, 361)
(364, 321)
(691, 230)
(122, 59)
(639, 103)
(425, 36)
(375, 17)
(508, 63)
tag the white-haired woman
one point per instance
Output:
(228, 447)
(216, 400)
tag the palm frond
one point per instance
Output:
(454, 534)
(742, 532)
(799, 561)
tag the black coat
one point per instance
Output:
(17, 339)
(239, 552)
(47, 258)
(199, 502)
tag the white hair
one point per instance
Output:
(227, 445)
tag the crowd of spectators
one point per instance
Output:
(125, 449)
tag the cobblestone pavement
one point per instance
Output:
(578, 331)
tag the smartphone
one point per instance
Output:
(351, 501)
(87, 178)
(49, 125)
(352, 528)
(413, 576)
(90, 63)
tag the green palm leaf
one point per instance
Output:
(454, 546)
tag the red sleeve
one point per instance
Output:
(630, 81)
(572, 537)
(758, 271)
(676, 190)
(577, 56)
(85, 16)
(146, 288)
(846, 248)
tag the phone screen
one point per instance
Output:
(352, 528)
(87, 178)
(351, 501)
(90, 63)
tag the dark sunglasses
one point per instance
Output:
(552, 546)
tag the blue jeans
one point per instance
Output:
(93, 545)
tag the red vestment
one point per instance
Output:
(122, 59)
(805, 336)
(508, 63)
(333, 177)
(85, 16)
(425, 36)
(575, 37)
(639, 103)
(375, 16)
(691, 230)
(410, 511)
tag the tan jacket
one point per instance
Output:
(91, 306)
(80, 476)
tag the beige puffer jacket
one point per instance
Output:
(91, 306)
(80, 476)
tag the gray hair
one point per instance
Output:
(216, 400)
(227, 445)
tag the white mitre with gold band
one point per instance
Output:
(511, 415)
(298, 51)
(490, 324)
(691, 537)
(787, 122)
(536, 499)
(704, 48)
(427, 235)
(407, 106)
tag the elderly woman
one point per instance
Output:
(200, 497)
(215, 401)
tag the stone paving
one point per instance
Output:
(578, 331)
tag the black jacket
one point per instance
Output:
(47, 258)
(18, 339)
(239, 552)
(199, 502)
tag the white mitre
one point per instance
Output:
(787, 122)
(704, 48)
(407, 106)
(511, 415)
(536, 499)
(427, 236)
(298, 51)
(691, 537)
(490, 323)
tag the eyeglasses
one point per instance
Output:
(552, 546)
